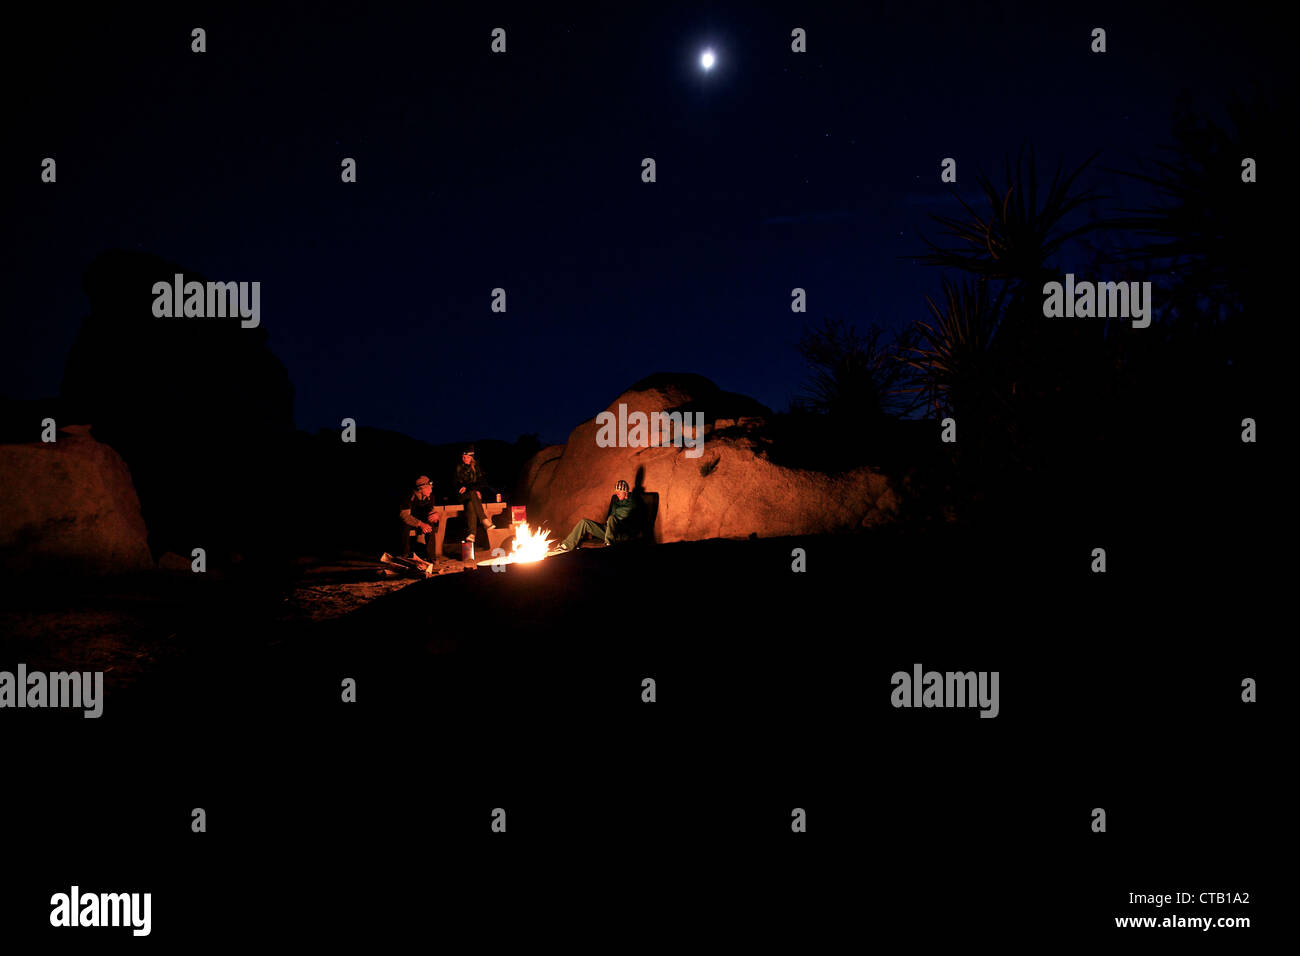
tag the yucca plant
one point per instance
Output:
(1208, 228)
(853, 375)
(953, 364)
(956, 368)
(983, 355)
(1018, 236)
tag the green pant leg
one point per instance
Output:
(585, 526)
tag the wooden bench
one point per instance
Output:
(496, 536)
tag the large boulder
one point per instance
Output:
(69, 505)
(200, 409)
(730, 490)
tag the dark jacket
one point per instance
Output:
(628, 517)
(416, 510)
(470, 477)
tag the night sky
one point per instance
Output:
(523, 171)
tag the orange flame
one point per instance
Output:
(529, 545)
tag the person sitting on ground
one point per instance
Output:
(621, 521)
(417, 512)
(472, 485)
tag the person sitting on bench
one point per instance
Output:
(470, 477)
(417, 512)
(622, 521)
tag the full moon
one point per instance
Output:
(706, 60)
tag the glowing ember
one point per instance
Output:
(529, 545)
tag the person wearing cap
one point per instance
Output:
(470, 478)
(417, 512)
(622, 520)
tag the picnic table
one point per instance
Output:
(496, 536)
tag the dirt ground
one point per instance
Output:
(330, 589)
(131, 625)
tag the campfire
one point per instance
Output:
(529, 545)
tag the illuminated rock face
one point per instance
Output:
(723, 489)
(70, 505)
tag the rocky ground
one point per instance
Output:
(328, 589)
(707, 605)
(136, 624)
